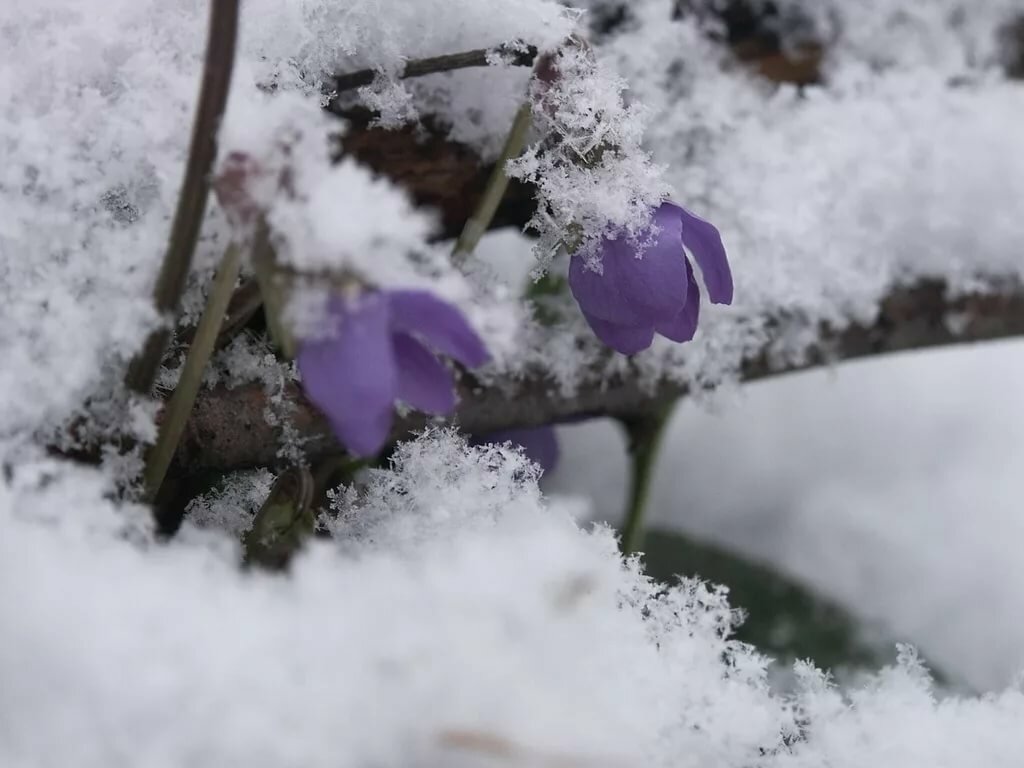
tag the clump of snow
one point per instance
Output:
(946, 37)
(230, 507)
(474, 622)
(307, 41)
(592, 176)
(322, 216)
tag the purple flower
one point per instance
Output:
(633, 298)
(381, 349)
(539, 443)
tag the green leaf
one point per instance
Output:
(284, 523)
(785, 619)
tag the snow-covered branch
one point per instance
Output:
(228, 428)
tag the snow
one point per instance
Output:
(593, 177)
(457, 613)
(473, 614)
(891, 486)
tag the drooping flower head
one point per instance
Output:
(636, 291)
(381, 348)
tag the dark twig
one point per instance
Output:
(245, 302)
(509, 54)
(228, 430)
(213, 95)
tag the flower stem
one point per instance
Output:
(645, 433)
(180, 404)
(495, 189)
(213, 96)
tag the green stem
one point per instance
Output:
(495, 189)
(274, 287)
(179, 406)
(645, 433)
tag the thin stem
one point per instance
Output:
(213, 95)
(495, 189)
(245, 302)
(273, 287)
(176, 414)
(511, 55)
(645, 433)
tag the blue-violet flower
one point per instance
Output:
(381, 348)
(637, 294)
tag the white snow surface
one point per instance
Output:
(892, 486)
(470, 622)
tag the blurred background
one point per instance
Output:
(846, 508)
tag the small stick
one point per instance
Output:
(213, 96)
(511, 54)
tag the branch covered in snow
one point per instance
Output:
(228, 429)
(521, 55)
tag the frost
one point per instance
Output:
(592, 176)
(230, 507)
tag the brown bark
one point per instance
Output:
(227, 429)
(437, 173)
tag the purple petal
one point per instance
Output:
(600, 294)
(439, 324)
(631, 290)
(684, 325)
(705, 243)
(423, 382)
(627, 339)
(656, 282)
(352, 376)
(539, 443)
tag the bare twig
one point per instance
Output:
(220, 57)
(227, 429)
(510, 54)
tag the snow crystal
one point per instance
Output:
(472, 616)
(231, 506)
(591, 174)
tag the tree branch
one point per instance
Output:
(228, 430)
(512, 55)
